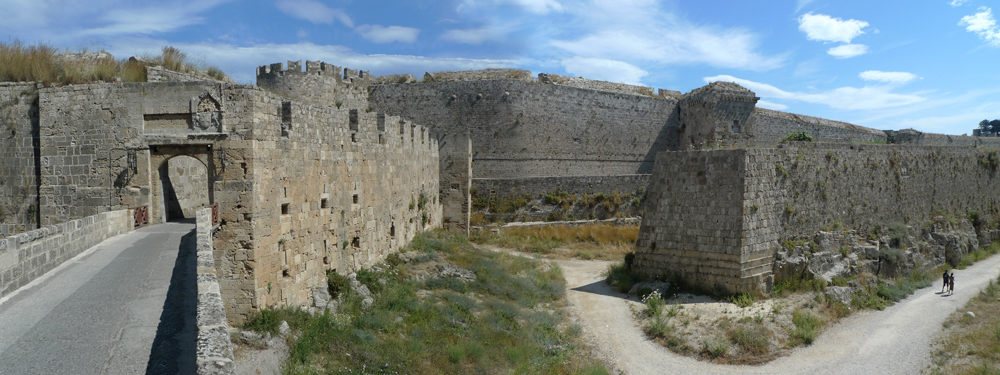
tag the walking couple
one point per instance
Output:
(949, 282)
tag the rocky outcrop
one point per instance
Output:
(830, 254)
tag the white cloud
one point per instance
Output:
(540, 7)
(848, 50)
(240, 62)
(313, 11)
(799, 4)
(849, 98)
(473, 36)
(604, 70)
(641, 33)
(24, 13)
(887, 77)
(956, 3)
(675, 44)
(984, 25)
(382, 34)
(824, 28)
(771, 105)
(302, 33)
(122, 19)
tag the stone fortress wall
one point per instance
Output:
(717, 217)
(325, 169)
(571, 184)
(584, 83)
(18, 180)
(520, 129)
(302, 189)
(770, 126)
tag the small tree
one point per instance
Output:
(984, 126)
(995, 126)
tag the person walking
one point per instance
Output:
(944, 286)
(951, 283)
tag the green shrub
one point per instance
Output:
(336, 283)
(629, 259)
(658, 327)
(806, 326)
(889, 255)
(621, 277)
(714, 348)
(898, 232)
(799, 136)
(868, 298)
(743, 299)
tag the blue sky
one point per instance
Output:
(930, 65)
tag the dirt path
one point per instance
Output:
(894, 341)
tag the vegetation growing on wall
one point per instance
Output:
(42, 63)
(799, 136)
(555, 205)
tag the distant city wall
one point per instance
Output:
(535, 186)
(479, 75)
(716, 217)
(520, 129)
(913, 137)
(26, 256)
(768, 128)
(605, 86)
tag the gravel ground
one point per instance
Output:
(255, 361)
(894, 341)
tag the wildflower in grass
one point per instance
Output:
(654, 304)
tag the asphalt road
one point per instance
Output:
(125, 306)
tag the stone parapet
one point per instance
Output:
(214, 346)
(26, 256)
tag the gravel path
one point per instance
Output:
(894, 341)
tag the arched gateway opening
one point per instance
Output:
(182, 181)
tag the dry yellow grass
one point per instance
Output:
(972, 345)
(39, 63)
(591, 241)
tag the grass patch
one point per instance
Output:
(977, 255)
(806, 328)
(742, 299)
(971, 345)
(508, 321)
(751, 339)
(591, 241)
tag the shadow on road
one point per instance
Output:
(601, 288)
(173, 350)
